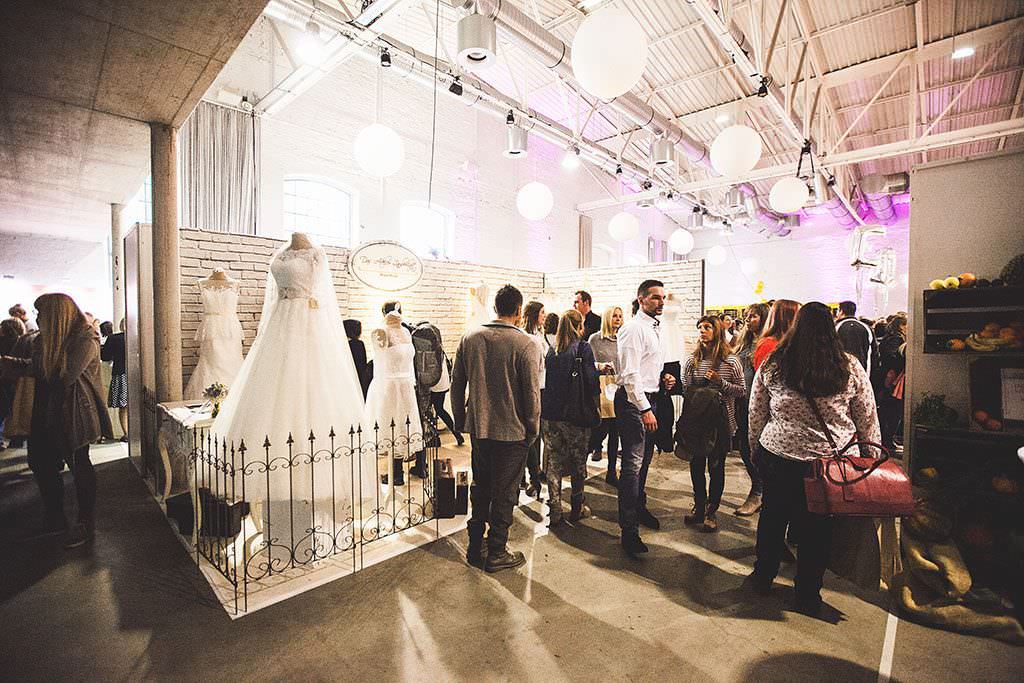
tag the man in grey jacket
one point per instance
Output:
(501, 364)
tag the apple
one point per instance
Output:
(980, 416)
(937, 284)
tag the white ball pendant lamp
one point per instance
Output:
(534, 201)
(681, 242)
(379, 150)
(736, 151)
(717, 255)
(624, 227)
(788, 195)
(609, 53)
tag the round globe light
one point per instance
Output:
(379, 150)
(749, 266)
(534, 201)
(717, 255)
(788, 195)
(624, 227)
(609, 53)
(736, 151)
(681, 242)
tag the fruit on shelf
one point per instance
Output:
(937, 284)
(956, 345)
(1004, 484)
(980, 416)
(967, 279)
(992, 424)
(982, 282)
(952, 282)
(1007, 333)
(928, 474)
(977, 342)
(989, 331)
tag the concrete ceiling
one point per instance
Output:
(79, 80)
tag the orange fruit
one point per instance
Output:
(980, 416)
(967, 279)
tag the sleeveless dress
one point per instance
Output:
(298, 379)
(391, 399)
(220, 340)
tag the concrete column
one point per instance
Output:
(117, 261)
(166, 273)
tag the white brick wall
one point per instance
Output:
(442, 295)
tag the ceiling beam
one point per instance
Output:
(1017, 101)
(887, 151)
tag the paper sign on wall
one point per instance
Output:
(387, 266)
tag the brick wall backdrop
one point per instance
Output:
(442, 296)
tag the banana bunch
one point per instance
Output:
(977, 343)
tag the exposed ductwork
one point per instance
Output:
(553, 53)
(409, 63)
(878, 190)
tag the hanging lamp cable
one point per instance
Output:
(433, 112)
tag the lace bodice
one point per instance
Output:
(393, 357)
(220, 313)
(295, 272)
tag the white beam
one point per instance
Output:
(895, 149)
(1016, 108)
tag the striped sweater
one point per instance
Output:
(730, 382)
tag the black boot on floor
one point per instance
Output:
(696, 516)
(475, 549)
(758, 584)
(809, 605)
(645, 518)
(580, 510)
(633, 545)
(612, 478)
(498, 560)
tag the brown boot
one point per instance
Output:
(710, 523)
(751, 506)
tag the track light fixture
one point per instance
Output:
(477, 41)
(663, 152)
(762, 89)
(618, 169)
(516, 142)
(646, 185)
(456, 87)
(510, 118)
(385, 58)
(696, 218)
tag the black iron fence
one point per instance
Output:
(265, 514)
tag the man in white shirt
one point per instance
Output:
(641, 364)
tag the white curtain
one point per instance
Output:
(219, 157)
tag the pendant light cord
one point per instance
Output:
(433, 112)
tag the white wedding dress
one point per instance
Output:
(220, 340)
(299, 379)
(391, 405)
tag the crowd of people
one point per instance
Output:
(780, 384)
(52, 398)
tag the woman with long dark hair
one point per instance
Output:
(68, 411)
(565, 443)
(780, 319)
(892, 352)
(755, 317)
(712, 365)
(808, 371)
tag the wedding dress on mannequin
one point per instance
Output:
(299, 378)
(219, 335)
(391, 399)
(480, 310)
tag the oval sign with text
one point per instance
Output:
(387, 266)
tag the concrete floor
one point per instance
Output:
(133, 607)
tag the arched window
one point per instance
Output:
(427, 230)
(322, 209)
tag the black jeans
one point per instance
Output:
(890, 414)
(743, 436)
(437, 400)
(533, 464)
(637, 452)
(785, 503)
(47, 464)
(497, 468)
(607, 429)
(707, 491)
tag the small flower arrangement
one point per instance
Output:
(215, 393)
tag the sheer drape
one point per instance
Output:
(219, 179)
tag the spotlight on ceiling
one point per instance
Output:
(510, 118)
(663, 153)
(515, 142)
(665, 200)
(963, 52)
(385, 58)
(696, 219)
(618, 169)
(477, 41)
(571, 160)
(310, 47)
(456, 87)
(645, 203)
